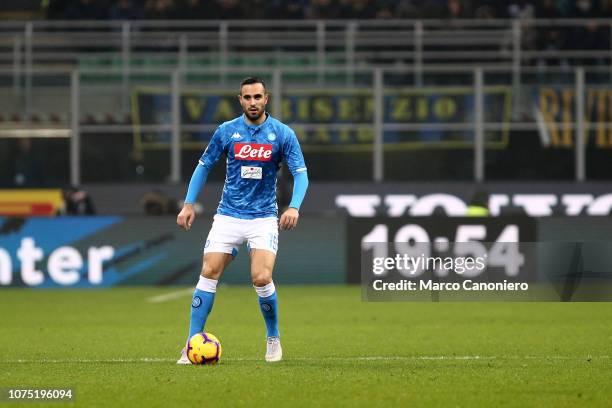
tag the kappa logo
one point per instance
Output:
(253, 151)
(236, 135)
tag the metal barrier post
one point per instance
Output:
(183, 52)
(277, 97)
(223, 50)
(610, 56)
(349, 51)
(75, 136)
(175, 144)
(125, 66)
(16, 64)
(580, 134)
(320, 52)
(377, 158)
(418, 53)
(29, 33)
(516, 68)
(478, 125)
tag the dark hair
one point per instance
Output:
(252, 80)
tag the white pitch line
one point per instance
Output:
(170, 296)
(356, 358)
(87, 361)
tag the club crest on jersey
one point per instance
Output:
(271, 137)
(253, 151)
(236, 135)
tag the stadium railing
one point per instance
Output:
(458, 124)
(416, 43)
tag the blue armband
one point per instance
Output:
(300, 184)
(198, 179)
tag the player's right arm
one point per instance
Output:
(211, 155)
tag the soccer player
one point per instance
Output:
(254, 145)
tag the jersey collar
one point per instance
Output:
(253, 127)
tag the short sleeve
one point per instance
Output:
(214, 150)
(293, 153)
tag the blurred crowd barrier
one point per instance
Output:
(409, 100)
(470, 124)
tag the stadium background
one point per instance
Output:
(470, 99)
(407, 111)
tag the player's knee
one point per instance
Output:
(211, 271)
(262, 278)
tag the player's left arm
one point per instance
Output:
(297, 166)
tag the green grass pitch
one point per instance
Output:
(117, 348)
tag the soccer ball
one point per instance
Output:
(204, 348)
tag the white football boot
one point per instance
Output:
(184, 359)
(274, 351)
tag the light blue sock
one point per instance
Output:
(269, 308)
(201, 304)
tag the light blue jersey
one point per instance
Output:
(254, 154)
